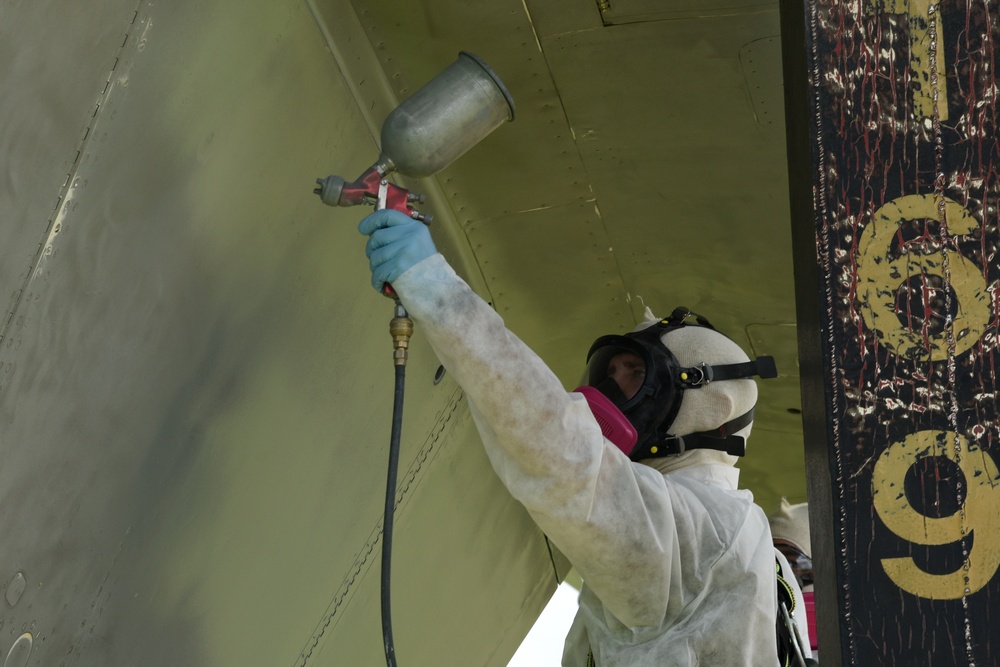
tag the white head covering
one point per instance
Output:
(712, 405)
(791, 523)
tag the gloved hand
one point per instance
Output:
(396, 242)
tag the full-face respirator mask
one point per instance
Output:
(635, 386)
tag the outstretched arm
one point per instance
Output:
(595, 504)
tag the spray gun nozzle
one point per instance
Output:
(330, 190)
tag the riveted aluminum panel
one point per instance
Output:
(533, 162)
(692, 207)
(775, 466)
(556, 311)
(634, 11)
(554, 17)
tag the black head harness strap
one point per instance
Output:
(723, 439)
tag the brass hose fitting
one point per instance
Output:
(400, 328)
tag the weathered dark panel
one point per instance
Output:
(904, 192)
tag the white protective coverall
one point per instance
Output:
(678, 567)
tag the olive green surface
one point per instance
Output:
(195, 374)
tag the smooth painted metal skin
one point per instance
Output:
(195, 379)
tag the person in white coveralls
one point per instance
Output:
(677, 563)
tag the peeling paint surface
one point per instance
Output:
(906, 183)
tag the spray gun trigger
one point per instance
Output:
(383, 194)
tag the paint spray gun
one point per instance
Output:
(431, 129)
(441, 121)
(435, 126)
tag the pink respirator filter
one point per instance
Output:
(614, 425)
(810, 600)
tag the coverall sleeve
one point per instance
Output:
(611, 517)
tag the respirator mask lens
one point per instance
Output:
(620, 369)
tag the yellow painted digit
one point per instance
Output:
(922, 35)
(981, 509)
(880, 277)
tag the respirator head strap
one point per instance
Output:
(677, 317)
(697, 376)
(722, 439)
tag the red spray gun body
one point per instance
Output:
(372, 188)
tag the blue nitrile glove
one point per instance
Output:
(396, 243)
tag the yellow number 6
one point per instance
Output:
(981, 514)
(880, 276)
